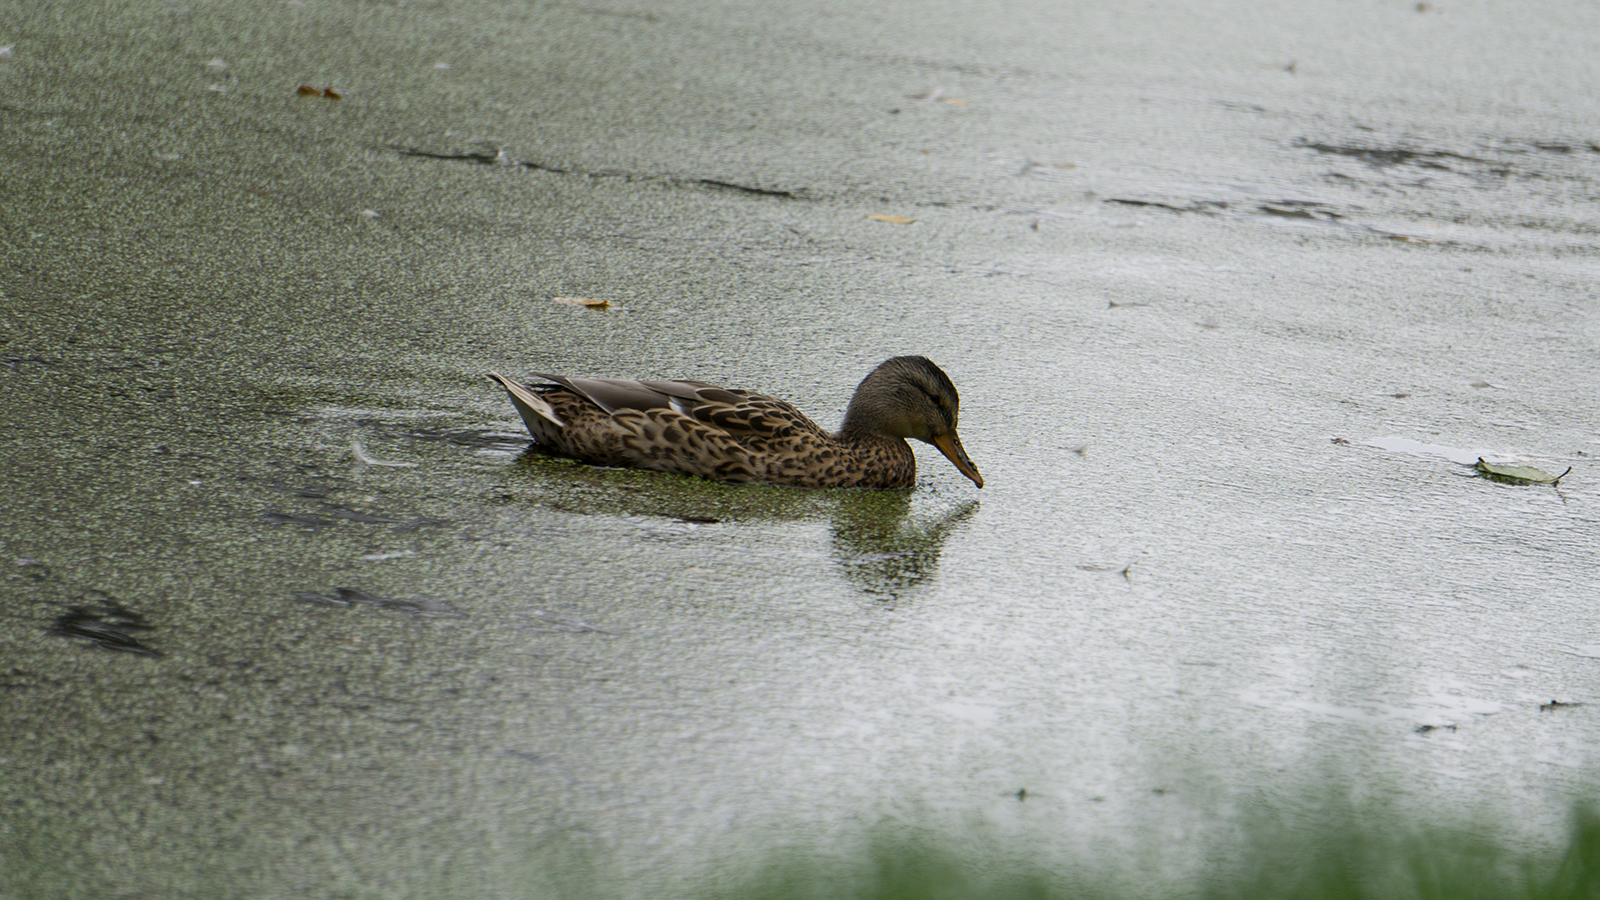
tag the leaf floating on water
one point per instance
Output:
(1518, 474)
(306, 90)
(955, 102)
(587, 302)
(893, 220)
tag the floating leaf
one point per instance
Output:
(1518, 474)
(582, 301)
(955, 102)
(306, 90)
(896, 220)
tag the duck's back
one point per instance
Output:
(694, 428)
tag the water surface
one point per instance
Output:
(1190, 273)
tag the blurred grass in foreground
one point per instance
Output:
(1344, 859)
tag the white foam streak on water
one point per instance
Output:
(1454, 454)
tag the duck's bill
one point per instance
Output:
(950, 446)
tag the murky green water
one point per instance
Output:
(1196, 275)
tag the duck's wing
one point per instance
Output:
(688, 427)
(736, 413)
(612, 394)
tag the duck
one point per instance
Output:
(742, 437)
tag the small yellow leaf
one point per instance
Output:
(954, 102)
(897, 220)
(581, 301)
(1518, 474)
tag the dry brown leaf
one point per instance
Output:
(896, 220)
(582, 301)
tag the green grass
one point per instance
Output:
(1343, 858)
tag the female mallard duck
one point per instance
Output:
(694, 428)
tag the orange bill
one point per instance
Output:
(950, 446)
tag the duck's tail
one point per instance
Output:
(536, 413)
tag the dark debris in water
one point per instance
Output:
(109, 626)
(274, 517)
(424, 608)
(1206, 207)
(1555, 705)
(315, 523)
(1393, 156)
(312, 598)
(17, 679)
(747, 189)
(1299, 209)
(12, 361)
(1429, 729)
(305, 492)
(351, 515)
(498, 157)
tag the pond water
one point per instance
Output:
(1233, 295)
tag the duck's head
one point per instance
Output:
(910, 397)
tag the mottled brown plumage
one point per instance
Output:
(695, 428)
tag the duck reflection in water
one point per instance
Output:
(878, 540)
(883, 548)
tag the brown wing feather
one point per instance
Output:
(656, 437)
(747, 415)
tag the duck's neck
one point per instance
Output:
(877, 460)
(853, 431)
